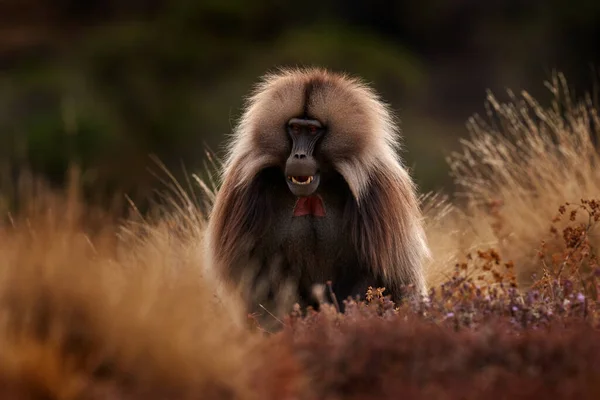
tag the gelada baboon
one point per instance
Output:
(313, 191)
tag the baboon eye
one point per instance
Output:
(312, 130)
(295, 128)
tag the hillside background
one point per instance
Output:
(105, 83)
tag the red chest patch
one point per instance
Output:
(311, 205)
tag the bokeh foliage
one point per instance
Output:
(104, 84)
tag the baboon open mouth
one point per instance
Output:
(303, 185)
(301, 180)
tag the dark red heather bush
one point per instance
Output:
(373, 357)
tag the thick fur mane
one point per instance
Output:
(382, 215)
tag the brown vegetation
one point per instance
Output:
(513, 173)
(100, 309)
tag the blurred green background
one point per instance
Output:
(105, 83)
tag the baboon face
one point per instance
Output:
(315, 127)
(302, 168)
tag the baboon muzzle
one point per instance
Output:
(301, 168)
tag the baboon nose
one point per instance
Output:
(299, 155)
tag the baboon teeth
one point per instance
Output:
(301, 180)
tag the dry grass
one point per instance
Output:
(92, 307)
(95, 308)
(513, 173)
